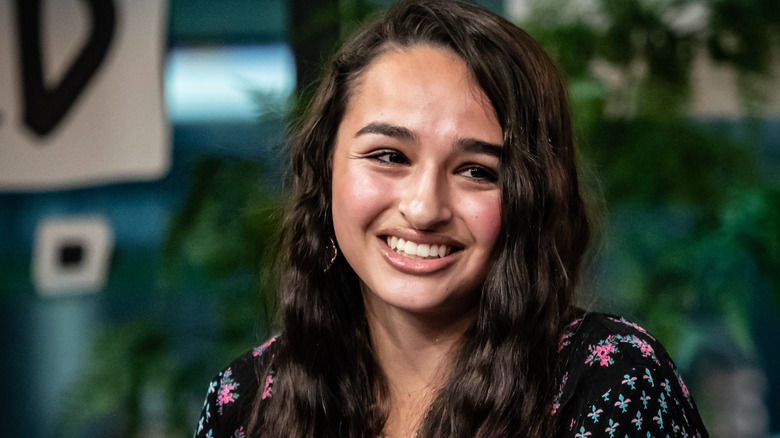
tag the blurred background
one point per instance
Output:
(141, 159)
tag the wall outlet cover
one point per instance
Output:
(71, 254)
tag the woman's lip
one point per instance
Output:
(412, 265)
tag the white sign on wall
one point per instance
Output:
(81, 100)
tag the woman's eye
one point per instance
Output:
(480, 173)
(389, 157)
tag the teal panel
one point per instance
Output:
(198, 22)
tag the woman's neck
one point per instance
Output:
(416, 354)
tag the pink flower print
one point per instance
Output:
(667, 387)
(601, 352)
(611, 428)
(225, 394)
(659, 419)
(573, 323)
(563, 342)
(563, 381)
(567, 333)
(645, 398)
(259, 350)
(662, 402)
(638, 421)
(630, 381)
(630, 324)
(594, 414)
(227, 387)
(645, 348)
(622, 403)
(649, 377)
(684, 388)
(269, 380)
(558, 396)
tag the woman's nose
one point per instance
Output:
(425, 200)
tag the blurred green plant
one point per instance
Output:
(127, 361)
(693, 229)
(223, 239)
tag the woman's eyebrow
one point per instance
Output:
(472, 145)
(388, 130)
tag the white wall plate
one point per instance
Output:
(71, 254)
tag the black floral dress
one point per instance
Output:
(617, 382)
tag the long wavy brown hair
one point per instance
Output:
(327, 382)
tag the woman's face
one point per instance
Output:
(415, 196)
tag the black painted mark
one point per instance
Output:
(45, 107)
(71, 255)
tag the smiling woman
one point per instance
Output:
(400, 170)
(438, 158)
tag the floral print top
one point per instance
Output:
(617, 381)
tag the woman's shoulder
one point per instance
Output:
(231, 393)
(597, 346)
(599, 335)
(617, 376)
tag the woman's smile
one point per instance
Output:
(411, 256)
(416, 206)
(418, 250)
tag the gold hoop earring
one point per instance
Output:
(335, 254)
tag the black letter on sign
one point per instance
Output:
(44, 108)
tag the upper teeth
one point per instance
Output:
(417, 249)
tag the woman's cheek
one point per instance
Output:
(483, 211)
(364, 194)
(359, 197)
